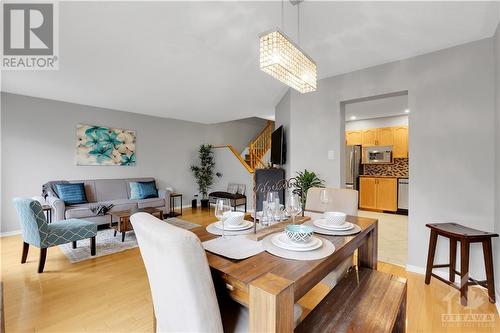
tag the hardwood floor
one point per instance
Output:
(111, 293)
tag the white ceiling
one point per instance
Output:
(377, 108)
(198, 61)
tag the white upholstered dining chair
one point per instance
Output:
(182, 288)
(339, 200)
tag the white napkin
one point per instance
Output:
(234, 247)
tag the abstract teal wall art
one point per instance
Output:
(97, 145)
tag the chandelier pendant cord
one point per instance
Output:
(283, 15)
(298, 23)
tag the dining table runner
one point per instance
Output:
(234, 247)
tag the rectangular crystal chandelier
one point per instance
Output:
(285, 61)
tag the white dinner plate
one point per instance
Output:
(243, 226)
(282, 241)
(321, 223)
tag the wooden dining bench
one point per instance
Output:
(364, 301)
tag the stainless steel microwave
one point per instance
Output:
(377, 155)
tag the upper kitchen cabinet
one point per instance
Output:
(369, 137)
(385, 136)
(353, 138)
(400, 148)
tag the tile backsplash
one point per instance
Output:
(398, 169)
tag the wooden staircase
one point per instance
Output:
(259, 146)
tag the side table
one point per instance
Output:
(173, 213)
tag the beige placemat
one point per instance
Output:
(322, 231)
(324, 251)
(234, 247)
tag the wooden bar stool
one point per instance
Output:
(456, 232)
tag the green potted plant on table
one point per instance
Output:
(303, 182)
(204, 173)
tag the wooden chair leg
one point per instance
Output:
(488, 264)
(430, 256)
(115, 234)
(92, 246)
(464, 271)
(74, 244)
(453, 259)
(123, 236)
(26, 247)
(43, 255)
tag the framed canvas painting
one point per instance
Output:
(97, 145)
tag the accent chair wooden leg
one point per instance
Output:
(464, 271)
(488, 264)
(115, 234)
(26, 247)
(74, 244)
(430, 256)
(92, 246)
(123, 236)
(453, 258)
(43, 255)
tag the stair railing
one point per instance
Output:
(260, 145)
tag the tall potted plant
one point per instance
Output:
(204, 173)
(303, 182)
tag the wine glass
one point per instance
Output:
(293, 206)
(323, 198)
(273, 202)
(221, 208)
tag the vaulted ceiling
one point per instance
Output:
(198, 61)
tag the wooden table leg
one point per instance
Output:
(271, 304)
(464, 270)
(367, 253)
(453, 258)
(488, 264)
(430, 256)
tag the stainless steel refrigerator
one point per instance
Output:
(352, 166)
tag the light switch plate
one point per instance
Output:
(331, 155)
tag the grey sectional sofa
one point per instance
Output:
(105, 192)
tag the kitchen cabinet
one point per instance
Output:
(397, 137)
(400, 148)
(353, 138)
(367, 193)
(385, 136)
(378, 193)
(369, 137)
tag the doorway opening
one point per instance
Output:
(377, 165)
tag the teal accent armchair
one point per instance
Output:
(37, 232)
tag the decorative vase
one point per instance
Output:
(204, 203)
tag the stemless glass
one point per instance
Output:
(293, 207)
(221, 208)
(323, 198)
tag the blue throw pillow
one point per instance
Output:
(143, 190)
(72, 194)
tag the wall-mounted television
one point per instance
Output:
(278, 146)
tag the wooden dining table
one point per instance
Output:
(270, 286)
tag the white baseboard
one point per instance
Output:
(415, 269)
(10, 233)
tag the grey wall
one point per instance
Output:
(38, 144)
(241, 132)
(451, 97)
(497, 154)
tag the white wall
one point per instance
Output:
(376, 123)
(241, 132)
(451, 98)
(38, 145)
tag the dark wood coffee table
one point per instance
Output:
(123, 225)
